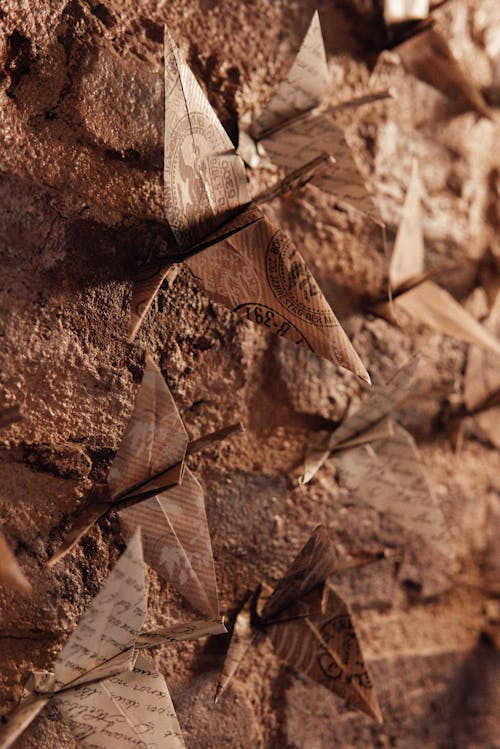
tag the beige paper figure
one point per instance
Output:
(110, 695)
(294, 129)
(379, 462)
(427, 56)
(412, 291)
(368, 423)
(235, 254)
(150, 486)
(388, 474)
(310, 626)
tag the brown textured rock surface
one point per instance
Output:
(80, 204)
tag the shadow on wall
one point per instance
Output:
(472, 701)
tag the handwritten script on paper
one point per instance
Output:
(390, 477)
(110, 695)
(367, 424)
(303, 141)
(133, 708)
(311, 628)
(292, 133)
(379, 461)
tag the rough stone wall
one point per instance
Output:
(81, 201)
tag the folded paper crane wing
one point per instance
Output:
(311, 629)
(390, 477)
(174, 523)
(177, 541)
(133, 708)
(22, 717)
(110, 626)
(314, 563)
(424, 300)
(324, 647)
(110, 696)
(380, 463)
(102, 644)
(259, 274)
(246, 263)
(151, 277)
(243, 637)
(11, 574)
(204, 178)
(151, 455)
(146, 286)
(184, 631)
(367, 424)
(154, 440)
(407, 260)
(434, 306)
(304, 86)
(292, 135)
(428, 57)
(379, 405)
(303, 141)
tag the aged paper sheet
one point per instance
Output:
(246, 263)
(390, 477)
(152, 489)
(110, 695)
(311, 628)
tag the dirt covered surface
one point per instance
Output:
(81, 202)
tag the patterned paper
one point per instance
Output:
(311, 628)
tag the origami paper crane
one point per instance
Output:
(292, 132)
(108, 692)
(310, 626)
(235, 254)
(412, 291)
(151, 487)
(379, 461)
